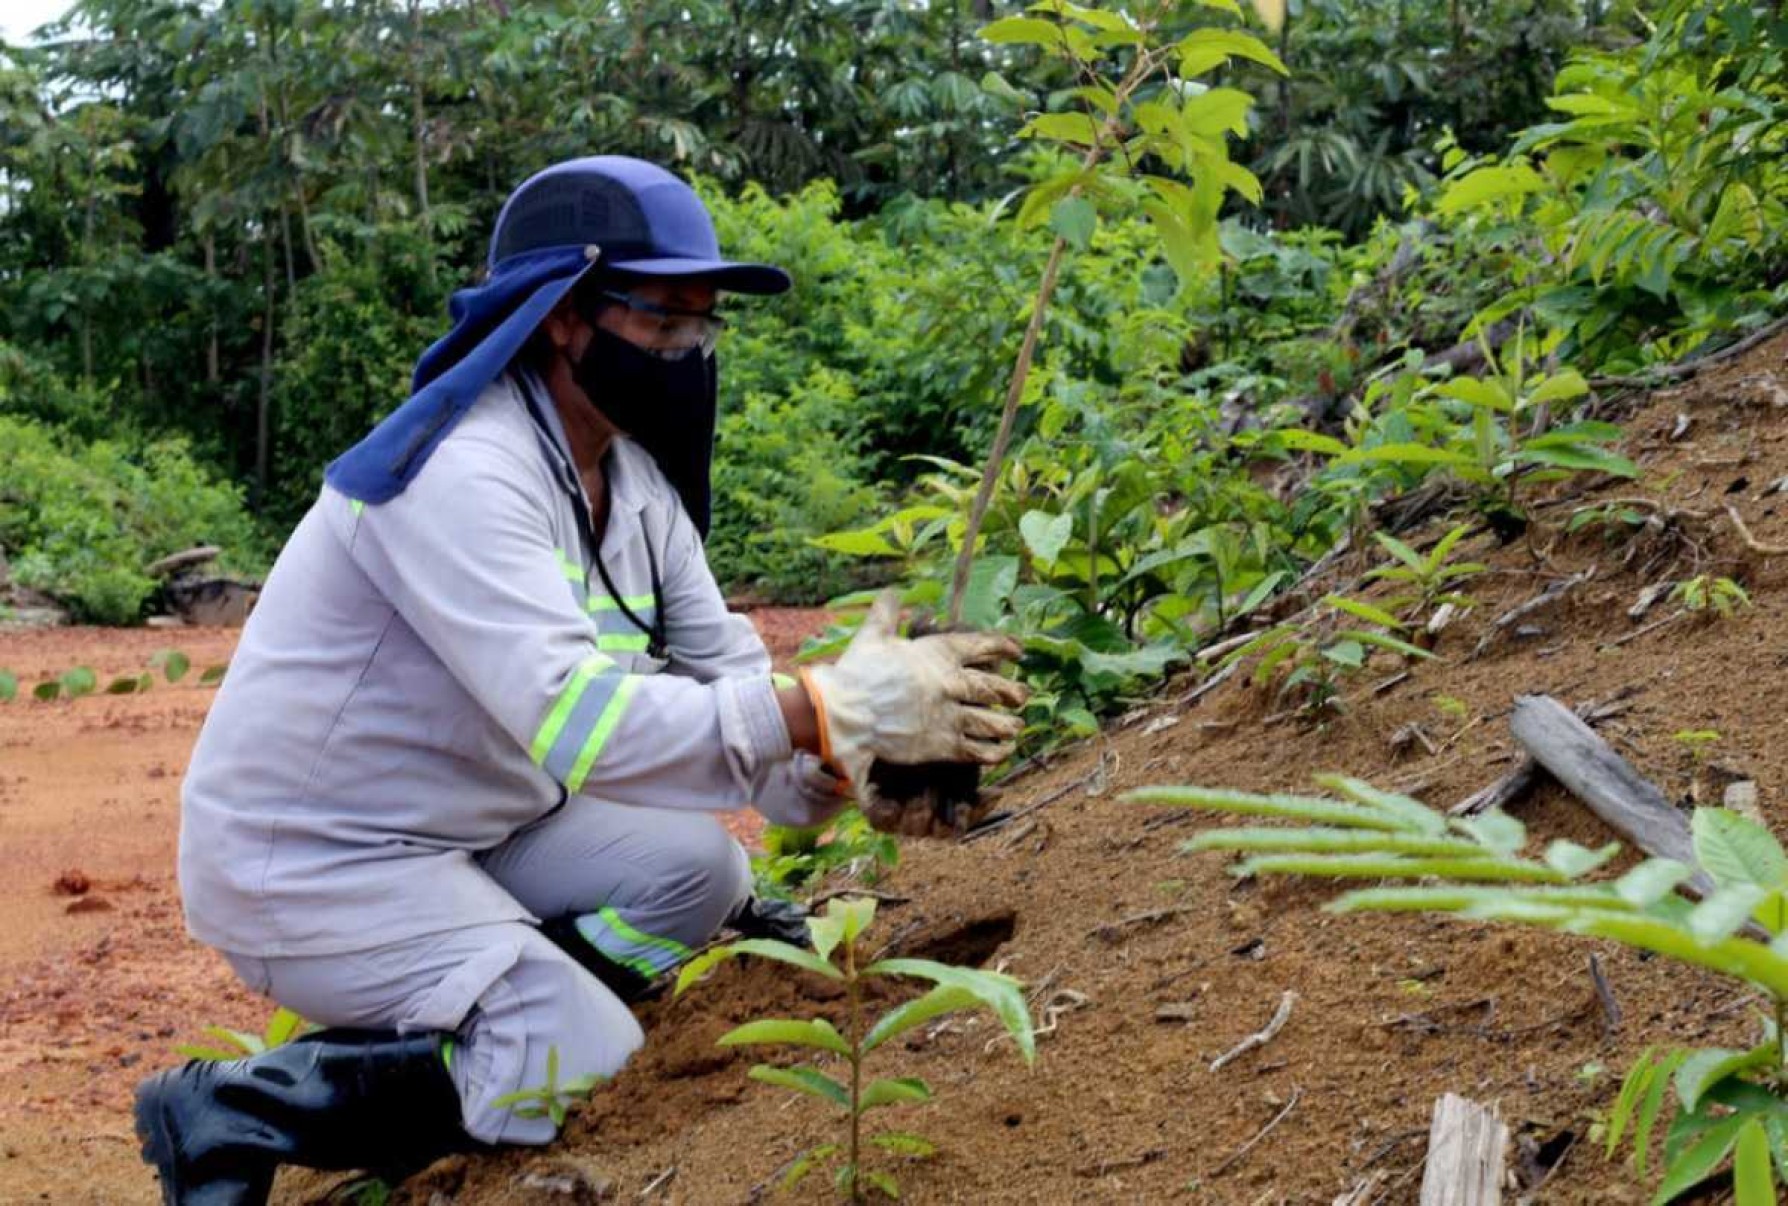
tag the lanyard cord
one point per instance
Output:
(657, 644)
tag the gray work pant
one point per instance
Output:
(645, 884)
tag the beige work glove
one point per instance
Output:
(909, 702)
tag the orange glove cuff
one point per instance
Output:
(825, 729)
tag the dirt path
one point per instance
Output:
(98, 979)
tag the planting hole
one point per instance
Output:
(969, 943)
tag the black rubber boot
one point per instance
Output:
(624, 982)
(336, 1099)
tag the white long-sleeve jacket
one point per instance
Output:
(422, 678)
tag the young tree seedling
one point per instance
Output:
(836, 957)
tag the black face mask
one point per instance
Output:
(667, 406)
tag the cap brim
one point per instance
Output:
(734, 278)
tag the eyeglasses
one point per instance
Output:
(679, 332)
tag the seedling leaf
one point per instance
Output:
(998, 992)
(940, 1000)
(905, 1143)
(78, 681)
(9, 686)
(766, 948)
(212, 676)
(804, 1079)
(804, 1164)
(1736, 850)
(893, 1091)
(47, 691)
(171, 662)
(817, 1033)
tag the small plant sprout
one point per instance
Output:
(281, 1028)
(1706, 595)
(553, 1099)
(171, 662)
(1430, 578)
(9, 686)
(1730, 1104)
(1316, 667)
(835, 956)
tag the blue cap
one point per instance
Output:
(638, 218)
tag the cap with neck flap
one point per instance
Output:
(619, 213)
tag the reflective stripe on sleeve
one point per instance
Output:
(568, 704)
(625, 686)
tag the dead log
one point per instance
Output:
(1589, 769)
(1465, 1155)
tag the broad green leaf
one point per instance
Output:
(1734, 956)
(1075, 219)
(1363, 610)
(1574, 861)
(1401, 551)
(1496, 831)
(1098, 18)
(884, 1182)
(804, 1079)
(122, 686)
(171, 662)
(816, 1033)
(905, 1143)
(804, 1164)
(1737, 850)
(857, 913)
(1725, 911)
(1217, 111)
(990, 584)
(1753, 1183)
(213, 675)
(1599, 460)
(916, 1012)
(1699, 1162)
(827, 932)
(1300, 440)
(1078, 129)
(1384, 640)
(1404, 454)
(78, 681)
(1707, 1067)
(1045, 535)
(1651, 881)
(1000, 993)
(862, 543)
(1560, 387)
(1203, 49)
(1022, 31)
(1487, 185)
(282, 1027)
(764, 948)
(894, 1091)
(1479, 393)
(9, 686)
(47, 691)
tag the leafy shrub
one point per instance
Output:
(84, 519)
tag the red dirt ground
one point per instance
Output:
(98, 979)
(1120, 1107)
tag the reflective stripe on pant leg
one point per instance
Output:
(632, 948)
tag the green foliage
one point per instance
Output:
(835, 956)
(1710, 596)
(81, 521)
(553, 1099)
(1430, 576)
(794, 858)
(1729, 1103)
(281, 1028)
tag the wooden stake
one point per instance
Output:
(1465, 1155)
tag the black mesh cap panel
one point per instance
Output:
(562, 211)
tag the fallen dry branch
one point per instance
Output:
(1751, 542)
(1652, 627)
(1239, 1153)
(1111, 931)
(1687, 369)
(1518, 782)
(1262, 1037)
(1545, 598)
(1589, 769)
(995, 824)
(1465, 1155)
(1604, 994)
